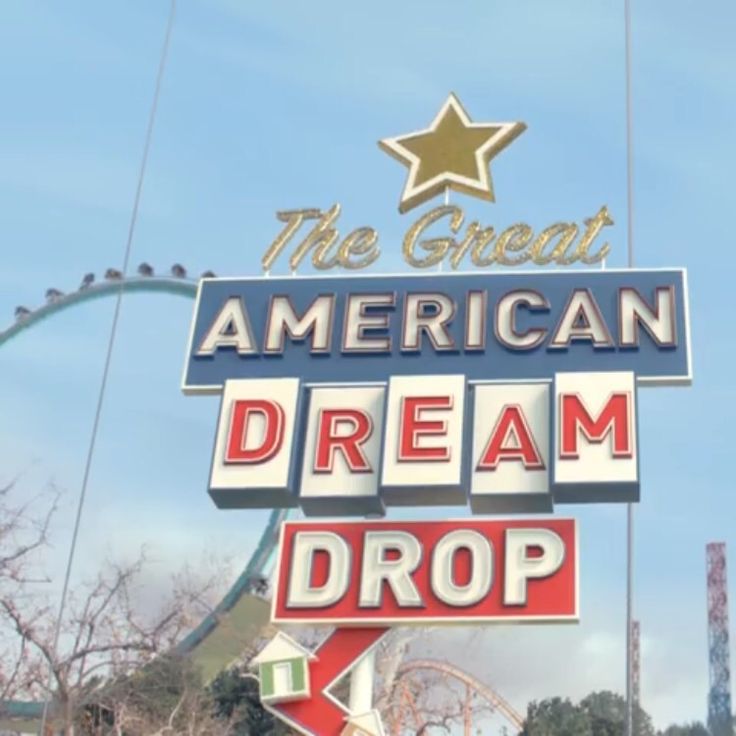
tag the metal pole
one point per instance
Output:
(629, 617)
(630, 263)
(629, 142)
(106, 367)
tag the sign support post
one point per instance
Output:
(630, 262)
(361, 683)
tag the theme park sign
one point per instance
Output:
(507, 392)
(502, 392)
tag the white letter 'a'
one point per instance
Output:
(302, 594)
(520, 567)
(231, 328)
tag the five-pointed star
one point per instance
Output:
(452, 153)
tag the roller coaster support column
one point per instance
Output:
(468, 712)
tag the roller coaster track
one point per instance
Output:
(167, 285)
(257, 564)
(498, 703)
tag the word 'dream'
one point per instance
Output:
(427, 440)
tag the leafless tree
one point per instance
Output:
(103, 634)
(24, 530)
(103, 637)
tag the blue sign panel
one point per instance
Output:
(486, 326)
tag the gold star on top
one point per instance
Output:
(452, 153)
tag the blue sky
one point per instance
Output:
(272, 106)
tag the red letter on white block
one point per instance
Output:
(272, 437)
(412, 427)
(332, 437)
(342, 451)
(613, 419)
(253, 461)
(511, 439)
(509, 465)
(422, 451)
(595, 456)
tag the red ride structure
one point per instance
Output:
(636, 663)
(719, 694)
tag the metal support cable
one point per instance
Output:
(108, 355)
(630, 264)
(629, 143)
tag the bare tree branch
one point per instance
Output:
(104, 635)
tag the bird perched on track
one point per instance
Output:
(260, 586)
(112, 274)
(21, 313)
(145, 269)
(178, 271)
(53, 295)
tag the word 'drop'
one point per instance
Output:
(391, 572)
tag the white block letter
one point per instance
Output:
(658, 321)
(231, 328)
(581, 320)
(521, 567)
(302, 594)
(283, 320)
(481, 568)
(377, 568)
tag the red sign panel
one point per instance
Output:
(379, 573)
